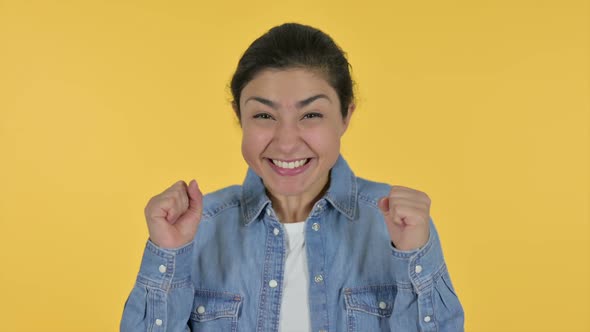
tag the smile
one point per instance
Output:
(290, 164)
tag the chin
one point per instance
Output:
(285, 189)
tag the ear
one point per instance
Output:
(351, 109)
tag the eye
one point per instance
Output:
(313, 115)
(262, 116)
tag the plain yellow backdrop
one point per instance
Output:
(484, 105)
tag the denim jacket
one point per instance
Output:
(229, 278)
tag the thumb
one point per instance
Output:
(195, 197)
(384, 205)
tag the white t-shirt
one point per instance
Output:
(294, 315)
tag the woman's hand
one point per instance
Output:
(174, 215)
(407, 216)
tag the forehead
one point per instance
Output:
(287, 86)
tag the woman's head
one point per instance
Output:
(293, 96)
(293, 45)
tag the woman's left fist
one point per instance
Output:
(407, 216)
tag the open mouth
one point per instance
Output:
(290, 164)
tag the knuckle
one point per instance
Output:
(168, 201)
(177, 194)
(151, 202)
(182, 199)
(174, 187)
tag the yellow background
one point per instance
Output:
(484, 105)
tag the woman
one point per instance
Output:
(303, 244)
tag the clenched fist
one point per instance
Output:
(407, 216)
(174, 215)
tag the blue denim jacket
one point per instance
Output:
(229, 278)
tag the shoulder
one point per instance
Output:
(220, 200)
(369, 192)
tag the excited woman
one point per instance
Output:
(303, 244)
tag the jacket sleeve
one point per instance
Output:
(439, 308)
(161, 299)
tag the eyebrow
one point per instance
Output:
(300, 104)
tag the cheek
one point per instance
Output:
(253, 143)
(324, 142)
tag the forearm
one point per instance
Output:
(439, 308)
(162, 297)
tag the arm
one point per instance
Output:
(417, 253)
(439, 308)
(162, 297)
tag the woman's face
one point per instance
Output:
(292, 126)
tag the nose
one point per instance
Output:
(287, 137)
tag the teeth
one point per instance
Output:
(289, 165)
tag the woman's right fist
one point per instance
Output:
(174, 215)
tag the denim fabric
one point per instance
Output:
(223, 280)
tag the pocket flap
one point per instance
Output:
(374, 300)
(209, 305)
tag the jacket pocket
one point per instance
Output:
(215, 311)
(369, 308)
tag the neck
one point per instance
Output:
(296, 208)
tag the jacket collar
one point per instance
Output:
(342, 192)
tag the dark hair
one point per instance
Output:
(294, 45)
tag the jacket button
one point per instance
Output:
(201, 309)
(315, 226)
(418, 268)
(273, 283)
